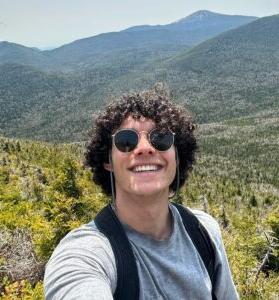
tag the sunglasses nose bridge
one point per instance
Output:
(144, 141)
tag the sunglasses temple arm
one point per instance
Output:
(112, 181)
(177, 172)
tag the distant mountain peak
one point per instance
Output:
(202, 14)
(199, 15)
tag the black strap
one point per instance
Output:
(127, 272)
(200, 239)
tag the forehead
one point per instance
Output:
(141, 123)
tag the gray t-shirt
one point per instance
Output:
(83, 265)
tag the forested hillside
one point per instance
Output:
(45, 191)
(232, 75)
(51, 95)
(19, 54)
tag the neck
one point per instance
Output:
(146, 214)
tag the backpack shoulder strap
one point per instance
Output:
(127, 272)
(200, 239)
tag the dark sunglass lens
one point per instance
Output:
(126, 140)
(161, 140)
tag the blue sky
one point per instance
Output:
(51, 23)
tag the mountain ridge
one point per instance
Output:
(91, 50)
(222, 78)
(200, 15)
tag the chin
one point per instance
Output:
(145, 192)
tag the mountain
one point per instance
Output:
(205, 24)
(236, 73)
(146, 41)
(18, 54)
(32, 100)
(199, 18)
(232, 75)
(255, 43)
(168, 38)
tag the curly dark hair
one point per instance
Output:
(153, 104)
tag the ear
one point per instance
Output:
(107, 167)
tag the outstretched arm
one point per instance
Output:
(81, 267)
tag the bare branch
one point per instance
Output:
(264, 261)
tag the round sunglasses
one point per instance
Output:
(126, 140)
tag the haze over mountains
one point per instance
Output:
(186, 32)
(222, 66)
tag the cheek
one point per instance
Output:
(173, 171)
(119, 160)
(170, 158)
(116, 155)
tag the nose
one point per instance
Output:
(144, 147)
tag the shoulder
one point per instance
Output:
(87, 241)
(207, 221)
(86, 238)
(210, 224)
(83, 255)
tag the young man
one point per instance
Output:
(141, 151)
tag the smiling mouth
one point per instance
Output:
(146, 168)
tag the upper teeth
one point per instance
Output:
(146, 168)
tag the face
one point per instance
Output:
(144, 171)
